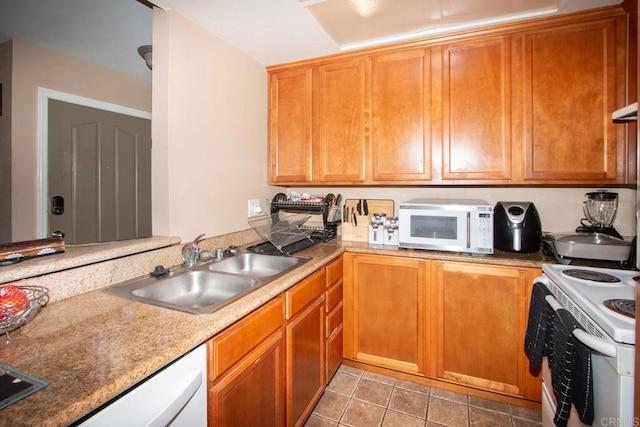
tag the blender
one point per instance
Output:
(600, 210)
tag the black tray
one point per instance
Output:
(268, 248)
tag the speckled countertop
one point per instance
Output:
(93, 346)
(76, 256)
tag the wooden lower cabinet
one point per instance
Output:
(334, 318)
(384, 311)
(305, 362)
(246, 370)
(269, 368)
(334, 342)
(478, 318)
(305, 346)
(451, 323)
(253, 391)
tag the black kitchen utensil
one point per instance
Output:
(365, 207)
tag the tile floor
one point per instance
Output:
(358, 398)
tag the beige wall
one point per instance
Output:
(560, 209)
(209, 130)
(34, 67)
(5, 143)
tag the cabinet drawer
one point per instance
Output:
(334, 295)
(304, 292)
(334, 320)
(334, 271)
(230, 346)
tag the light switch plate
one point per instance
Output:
(253, 207)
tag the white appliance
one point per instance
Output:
(593, 296)
(457, 225)
(176, 396)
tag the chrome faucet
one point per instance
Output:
(191, 251)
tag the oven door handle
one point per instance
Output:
(593, 342)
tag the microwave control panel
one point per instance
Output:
(485, 229)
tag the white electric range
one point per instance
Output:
(603, 302)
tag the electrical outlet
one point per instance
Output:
(253, 207)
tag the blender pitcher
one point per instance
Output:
(600, 210)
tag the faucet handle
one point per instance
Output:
(190, 254)
(197, 239)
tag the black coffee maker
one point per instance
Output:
(516, 227)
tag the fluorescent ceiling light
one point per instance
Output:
(308, 3)
(448, 29)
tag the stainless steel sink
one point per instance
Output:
(209, 286)
(257, 265)
(192, 291)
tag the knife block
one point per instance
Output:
(359, 233)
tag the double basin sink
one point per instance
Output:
(210, 285)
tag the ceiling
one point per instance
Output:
(105, 33)
(108, 33)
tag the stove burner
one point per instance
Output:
(625, 307)
(594, 276)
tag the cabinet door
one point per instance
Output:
(384, 311)
(570, 77)
(253, 390)
(480, 316)
(476, 110)
(334, 323)
(334, 341)
(341, 116)
(290, 126)
(401, 139)
(305, 362)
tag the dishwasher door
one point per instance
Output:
(175, 396)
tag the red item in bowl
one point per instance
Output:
(12, 299)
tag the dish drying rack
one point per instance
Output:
(285, 227)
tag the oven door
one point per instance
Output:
(612, 367)
(433, 228)
(612, 396)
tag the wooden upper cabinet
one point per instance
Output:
(526, 104)
(475, 102)
(290, 126)
(341, 120)
(401, 137)
(570, 78)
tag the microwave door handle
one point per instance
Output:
(595, 343)
(468, 230)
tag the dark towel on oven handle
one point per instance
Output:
(537, 341)
(571, 371)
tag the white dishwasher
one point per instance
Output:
(176, 396)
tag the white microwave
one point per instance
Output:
(458, 225)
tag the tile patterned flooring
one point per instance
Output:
(357, 398)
